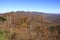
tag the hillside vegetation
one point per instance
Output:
(29, 26)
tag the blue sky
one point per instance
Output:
(48, 6)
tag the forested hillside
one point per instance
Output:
(29, 26)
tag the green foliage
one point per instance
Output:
(2, 36)
(2, 18)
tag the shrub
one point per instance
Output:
(2, 19)
(2, 36)
(52, 28)
(58, 28)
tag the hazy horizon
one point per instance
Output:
(47, 6)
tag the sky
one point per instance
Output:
(48, 6)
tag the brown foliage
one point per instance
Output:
(30, 26)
